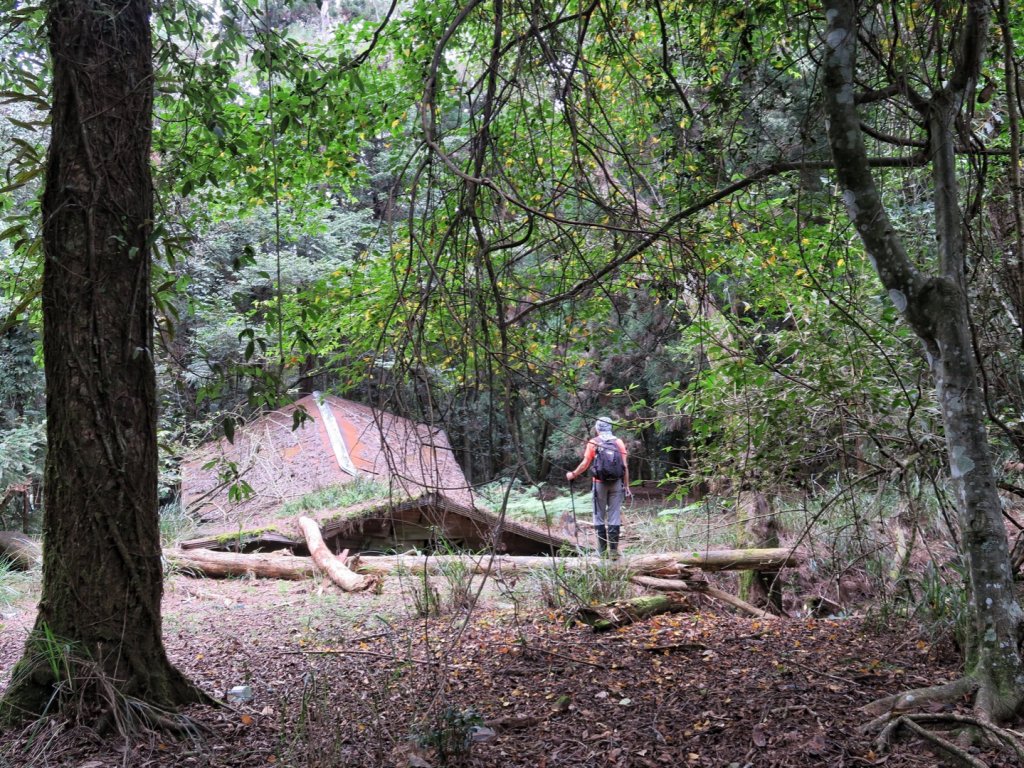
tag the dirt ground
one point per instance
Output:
(360, 680)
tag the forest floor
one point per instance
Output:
(359, 680)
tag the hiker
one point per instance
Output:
(608, 461)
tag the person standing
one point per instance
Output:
(608, 461)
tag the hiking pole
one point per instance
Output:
(575, 525)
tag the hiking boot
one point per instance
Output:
(613, 542)
(602, 539)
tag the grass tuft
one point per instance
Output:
(337, 496)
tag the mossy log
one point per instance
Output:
(22, 552)
(623, 612)
(702, 587)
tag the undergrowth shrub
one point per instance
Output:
(567, 587)
(175, 524)
(448, 736)
(426, 598)
(457, 591)
(16, 585)
(938, 597)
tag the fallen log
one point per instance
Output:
(623, 612)
(662, 585)
(702, 587)
(326, 560)
(22, 552)
(206, 562)
(280, 566)
(667, 562)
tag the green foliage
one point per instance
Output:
(530, 503)
(566, 588)
(15, 585)
(22, 449)
(175, 524)
(701, 525)
(449, 736)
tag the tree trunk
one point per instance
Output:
(936, 308)
(757, 527)
(668, 562)
(102, 571)
(701, 587)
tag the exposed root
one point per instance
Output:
(885, 738)
(1010, 740)
(920, 697)
(60, 683)
(159, 719)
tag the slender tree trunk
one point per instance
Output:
(102, 572)
(756, 526)
(936, 308)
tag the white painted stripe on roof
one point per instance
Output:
(334, 433)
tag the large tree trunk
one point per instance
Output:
(624, 612)
(102, 573)
(936, 308)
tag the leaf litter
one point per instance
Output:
(356, 680)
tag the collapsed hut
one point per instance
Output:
(419, 514)
(417, 495)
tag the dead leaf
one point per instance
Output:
(816, 745)
(758, 735)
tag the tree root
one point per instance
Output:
(885, 738)
(1010, 740)
(919, 697)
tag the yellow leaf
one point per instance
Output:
(246, 719)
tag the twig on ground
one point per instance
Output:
(818, 672)
(353, 652)
(563, 656)
(676, 647)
